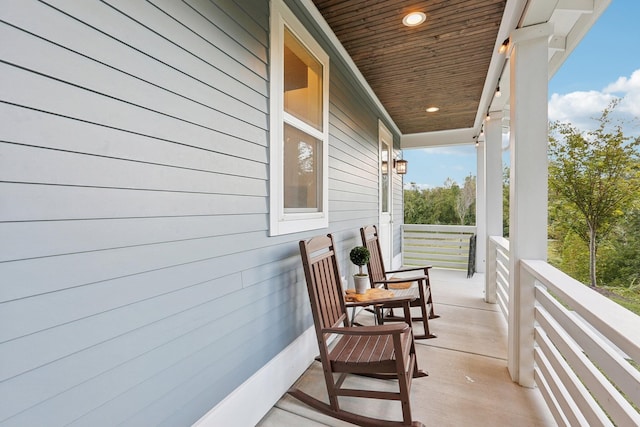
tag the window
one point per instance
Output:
(299, 127)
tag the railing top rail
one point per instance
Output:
(500, 241)
(470, 229)
(618, 324)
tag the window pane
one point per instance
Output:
(386, 168)
(302, 82)
(302, 171)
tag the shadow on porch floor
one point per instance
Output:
(468, 382)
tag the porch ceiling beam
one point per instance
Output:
(557, 43)
(531, 32)
(439, 138)
(512, 15)
(578, 30)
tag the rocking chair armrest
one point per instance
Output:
(389, 328)
(402, 270)
(401, 279)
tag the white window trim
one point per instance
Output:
(281, 222)
(384, 134)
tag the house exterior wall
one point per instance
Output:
(138, 281)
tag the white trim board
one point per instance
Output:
(265, 387)
(397, 262)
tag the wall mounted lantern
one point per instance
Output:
(385, 167)
(400, 166)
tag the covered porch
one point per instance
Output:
(468, 382)
(578, 354)
(138, 175)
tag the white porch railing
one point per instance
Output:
(442, 246)
(586, 347)
(497, 290)
(587, 351)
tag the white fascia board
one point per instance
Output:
(582, 6)
(438, 139)
(512, 14)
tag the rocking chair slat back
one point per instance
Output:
(381, 277)
(323, 282)
(375, 265)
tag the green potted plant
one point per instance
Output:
(360, 256)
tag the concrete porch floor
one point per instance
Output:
(468, 382)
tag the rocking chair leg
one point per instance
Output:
(424, 318)
(432, 312)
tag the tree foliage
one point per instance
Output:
(448, 204)
(593, 181)
(466, 198)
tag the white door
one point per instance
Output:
(385, 229)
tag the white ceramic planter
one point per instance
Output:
(361, 283)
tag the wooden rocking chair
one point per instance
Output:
(384, 351)
(378, 276)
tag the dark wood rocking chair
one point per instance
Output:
(381, 351)
(378, 276)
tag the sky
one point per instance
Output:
(605, 65)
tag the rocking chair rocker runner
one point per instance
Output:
(378, 276)
(384, 351)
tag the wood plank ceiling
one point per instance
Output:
(443, 62)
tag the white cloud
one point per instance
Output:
(624, 84)
(629, 89)
(578, 107)
(582, 108)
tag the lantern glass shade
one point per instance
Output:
(401, 167)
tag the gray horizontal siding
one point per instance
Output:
(215, 152)
(139, 284)
(38, 239)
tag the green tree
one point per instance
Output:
(466, 198)
(416, 207)
(444, 203)
(593, 179)
(622, 267)
(438, 205)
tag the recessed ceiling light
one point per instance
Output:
(432, 109)
(414, 18)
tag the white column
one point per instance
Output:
(481, 202)
(493, 194)
(528, 187)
